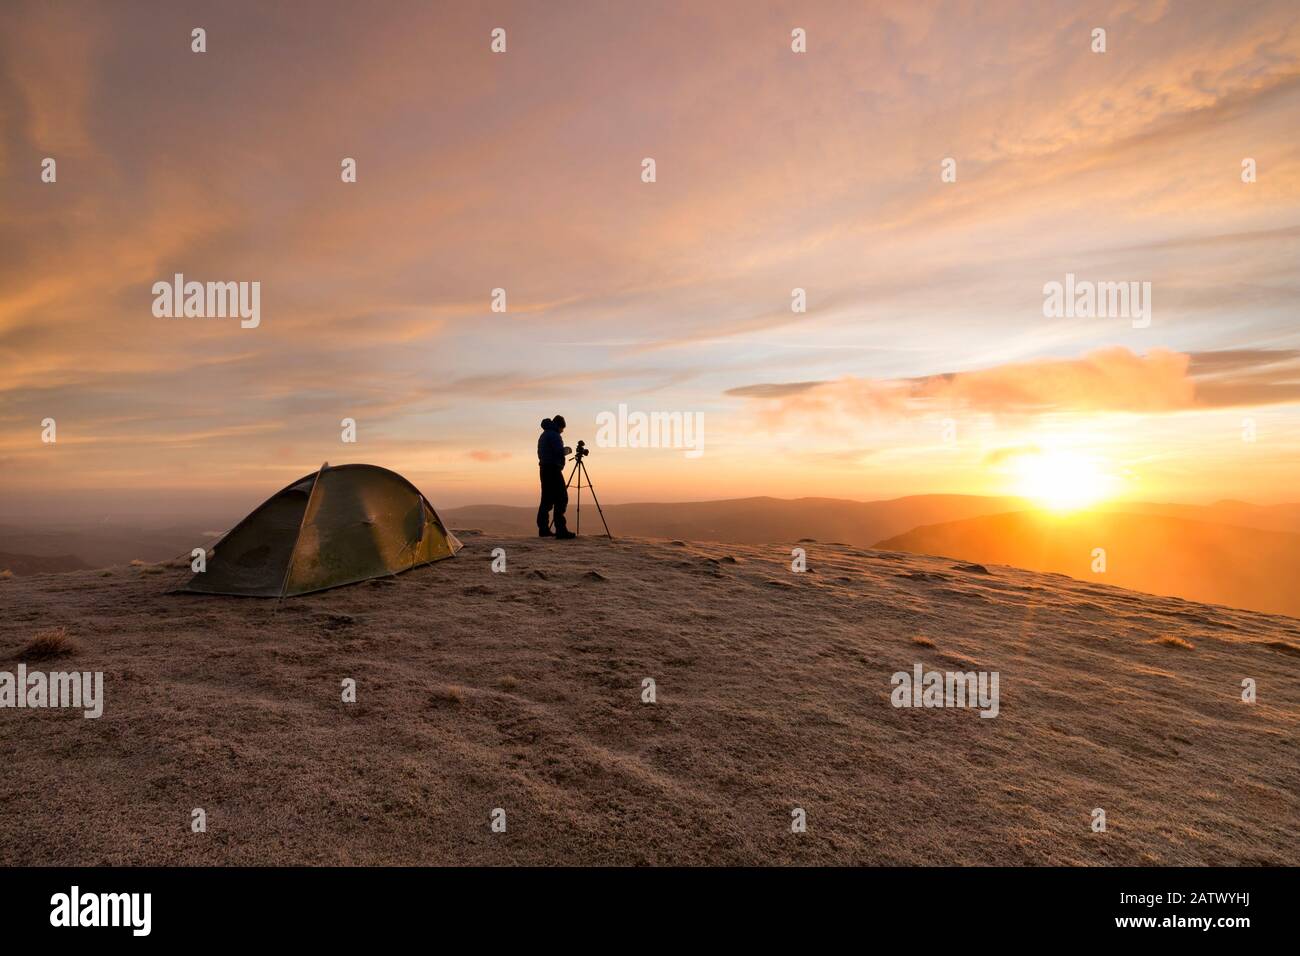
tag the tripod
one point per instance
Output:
(580, 472)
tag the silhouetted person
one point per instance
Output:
(551, 453)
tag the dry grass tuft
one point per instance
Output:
(137, 563)
(1171, 641)
(509, 682)
(6, 574)
(51, 642)
(449, 694)
(923, 641)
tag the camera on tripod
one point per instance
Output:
(576, 483)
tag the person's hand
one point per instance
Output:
(567, 451)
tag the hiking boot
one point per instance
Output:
(564, 535)
(545, 533)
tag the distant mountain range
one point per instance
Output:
(23, 550)
(1229, 552)
(40, 564)
(1213, 563)
(749, 520)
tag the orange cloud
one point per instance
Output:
(1107, 380)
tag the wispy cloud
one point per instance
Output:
(1107, 380)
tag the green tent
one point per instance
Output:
(335, 526)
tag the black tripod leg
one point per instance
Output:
(599, 509)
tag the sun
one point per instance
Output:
(1061, 480)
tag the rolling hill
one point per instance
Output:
(1199, 560)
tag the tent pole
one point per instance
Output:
(288, 569)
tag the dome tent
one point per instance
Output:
(335, 526)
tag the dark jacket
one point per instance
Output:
(550, 446)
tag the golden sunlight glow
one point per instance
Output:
(1060, 480)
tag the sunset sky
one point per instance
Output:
(923, 363)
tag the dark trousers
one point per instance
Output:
(554, 495)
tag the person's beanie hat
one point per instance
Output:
(546, 423)
(558, 421)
